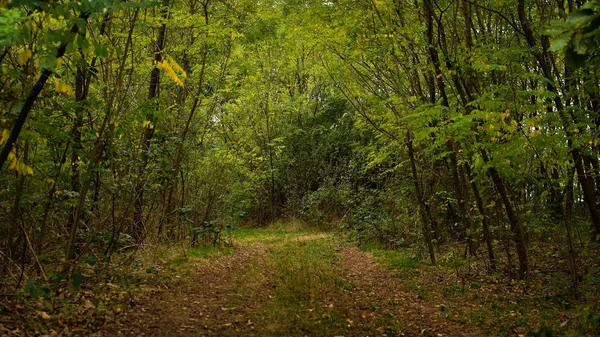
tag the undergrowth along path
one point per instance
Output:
(285, 283)
(271, 282)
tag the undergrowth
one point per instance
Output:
(465, 291)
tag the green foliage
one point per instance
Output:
(578, 34)
(407, 130)
(35, 290)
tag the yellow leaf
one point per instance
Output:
(58, 62)
(5, 136)
(25, 56)
(147, 124)
(176, 66)
(29, 170)
(536, 133)
(439, 75)
(169, 69)
(514, 123)
(62, 87)
(44, 315)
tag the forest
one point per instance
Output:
(300, 167)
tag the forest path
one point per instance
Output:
(285, 284)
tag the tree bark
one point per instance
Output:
(587, 182)
(32, 97)
(515, 224)
(423, 211)
(139, 218)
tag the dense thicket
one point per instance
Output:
(404, 122)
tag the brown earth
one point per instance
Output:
(232, 295)
(228, 297)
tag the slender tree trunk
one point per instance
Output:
(515, 224)
(450, 145)
(15, 229)
(586, 181)
(568, 224)
(50, 200)
(32, 97)
(487, 234)
(179, 154)
(98, 148)
(423, 211)
(77, 146)
(139, 217)
(271, 168)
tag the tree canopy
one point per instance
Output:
(406, 123)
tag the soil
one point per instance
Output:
(231, 295)
(227, 297)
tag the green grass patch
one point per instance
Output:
(272, 233)
(181, 258)
(304, 268)
(305, 271)
(394, 259)
(205, 252)
(477, 316)
(420, 289)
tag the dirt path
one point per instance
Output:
(218, 299)
(237, 295)
(289, 283)
(394, 309)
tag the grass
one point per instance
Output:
(398, 260)
(180, 258)
(304, 268)
(305, 273)
(273, 233)
(465, 294)
(299, 266)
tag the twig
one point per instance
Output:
(512, 24)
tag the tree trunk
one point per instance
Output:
(515, 224)
(148, 130)
(487, 234)
(423, 211)
(586, 181)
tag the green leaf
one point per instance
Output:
(91, 260)
(579, 45)
(580, 17)
(77, 279)
(560, 42)
(101, 50)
